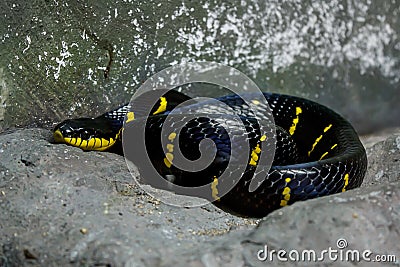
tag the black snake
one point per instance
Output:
(317, 151)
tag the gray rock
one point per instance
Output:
(384, 161)
(338, 53)
(62, 206)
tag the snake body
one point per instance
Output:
(318, 152)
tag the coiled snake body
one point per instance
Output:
(317, 151)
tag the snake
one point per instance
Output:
(317, 151)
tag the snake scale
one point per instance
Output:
(317, 153)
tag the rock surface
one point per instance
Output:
(344, 54)
(62, 206)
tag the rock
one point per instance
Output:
(54, 55)
(384, 161)
(62, 206)
(362, 219)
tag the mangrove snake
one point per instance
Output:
(317, 151)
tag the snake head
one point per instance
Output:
(87, 133)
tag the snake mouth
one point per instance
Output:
(58, 136)
(72, 133)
